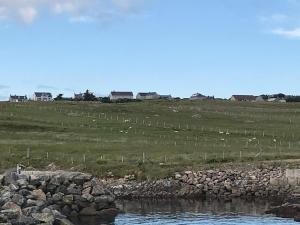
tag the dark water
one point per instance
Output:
(197, 212)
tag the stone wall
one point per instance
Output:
(215, 184)
(53, 198)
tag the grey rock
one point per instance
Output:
(57, 197)
(88, 197)
(29, 210)
(74, 189)
(18, 199)
(43, 217)
(10, 213)
(68, 199)
(98, 187)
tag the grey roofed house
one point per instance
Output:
(243, 98)
(149, 95)
(117, 95)
(168, 97)
(42, 96)
(16, 98)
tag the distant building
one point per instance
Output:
(42, 97)
(147, 96)
(79, 97)
(198, 96)
(166, 97)
(16, 98)
(277, 100)
(260, 99)
(120, 95)
(243, 98)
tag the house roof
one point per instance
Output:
(43, 94)
(121, 93)
(198, 95)
(144, 94)
(165, 96)
(244, 97)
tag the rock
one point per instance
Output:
(22, 182)
(68, 199)
(108, 214)
(12, 206)
(88, 197)
(87, 190)
(82, 178)
(10, 214)
(18, 199)
(297, 218)
(13, 187)
(38, 195)
(58, 197)
(38, 203)
(25, 220)
(274, 181)
(98, 187)
(62, 222)
(1, 179)
(66, 210)
(89, 211)
(43, 217)
(87, 185)
(178, 176)
(29, 210)
(74, 189)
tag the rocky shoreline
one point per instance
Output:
(54, 198)
(64, 198)
(227, 184)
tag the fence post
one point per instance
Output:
(28, 153)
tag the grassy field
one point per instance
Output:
(149, 139)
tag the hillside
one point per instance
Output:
(150, 138)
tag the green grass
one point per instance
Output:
(171, 135)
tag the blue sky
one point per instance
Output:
(178, 47)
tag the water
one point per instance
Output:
(197, 212)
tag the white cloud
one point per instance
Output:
(28, 11)
(294, 33)
(27, 14)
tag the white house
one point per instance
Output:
(120, 95)
(42, 97)
(16, 98)
(147, 96)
